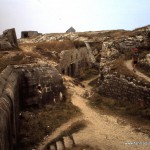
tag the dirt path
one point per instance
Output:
(129, 66)
(103, 131)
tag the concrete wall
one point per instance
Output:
(40, 85)
(73, 60)
(9, 108)
(28, 34)
(19, 86)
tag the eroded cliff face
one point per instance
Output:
(23, 86)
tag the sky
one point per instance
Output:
(55, 16)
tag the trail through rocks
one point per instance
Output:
(103, 131)
(129, 66)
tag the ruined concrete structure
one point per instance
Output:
(9, 108)
(71, 61)
(40, 85)
(8, 40)
(21, 87)
(71, 30)
(29, 34)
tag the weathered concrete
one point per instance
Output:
(9, 108)
(24, 86)
(71, 61)
(29, 34)
(40, 84)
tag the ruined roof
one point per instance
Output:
(71, 29)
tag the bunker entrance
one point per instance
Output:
(72, 70)
(25, 35)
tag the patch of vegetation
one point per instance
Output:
(133, 113)
(56, 45)
(119, 66)
(59, 45)
(79, 44)
(124, 107)
(145, 69)
(35, 124)
(17, 58)
(6, 60)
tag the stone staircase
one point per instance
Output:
(63, 143)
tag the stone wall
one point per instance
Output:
(125, 89)
(8, 40)
(73, 60)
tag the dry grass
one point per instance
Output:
(119, 67)
(60, 45)
(136, 115)
(56, 45)
(35, 124)
(17, 58)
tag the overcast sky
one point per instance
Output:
(47, 16)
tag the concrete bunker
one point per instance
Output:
(18, 84)
(73, 60)
(29, 34)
